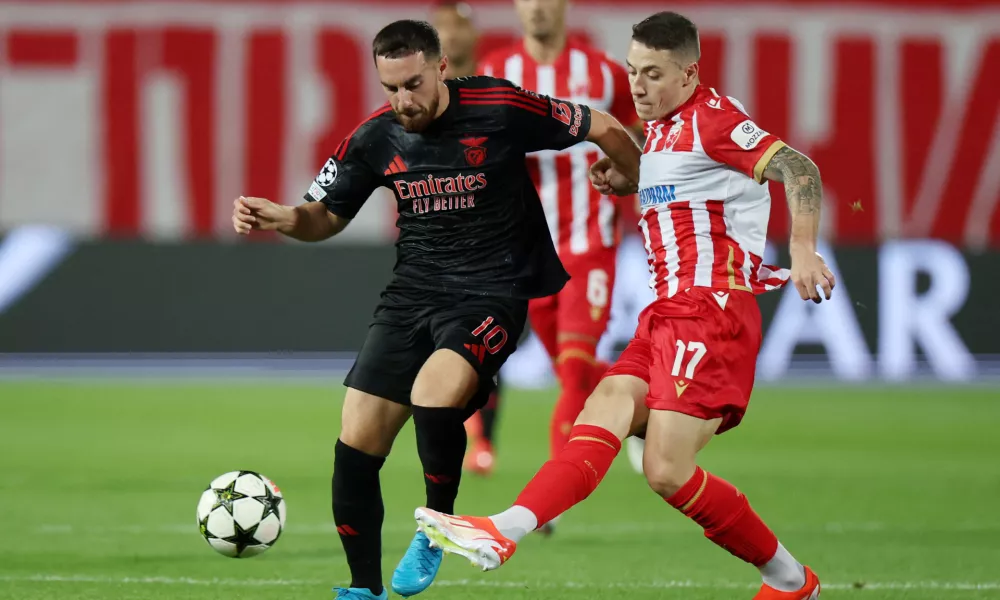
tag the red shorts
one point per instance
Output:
(583, 306)
(698, 353)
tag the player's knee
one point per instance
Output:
(445, 381)
(666, 476)
(611, 407)
(365, 438)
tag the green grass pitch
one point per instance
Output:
(888, 493)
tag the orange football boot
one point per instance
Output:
(475, 538)
(809, 591)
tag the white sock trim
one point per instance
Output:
(515, 522)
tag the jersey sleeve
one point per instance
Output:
(622, 107)
(546, 123)
(730, 136)
(345, 182)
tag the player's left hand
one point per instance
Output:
(809, 270)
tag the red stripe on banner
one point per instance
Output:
(121, 133)
(265, 117)
(922, 64)
(772, 110)
(853, 103)
(710, 66)
(192, 52)
(720, 245)
(687, 247)
(339, 55)
(527, 107)
(968, 166)
(42, 48)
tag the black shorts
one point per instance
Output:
(410, 324)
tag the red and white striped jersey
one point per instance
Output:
(579, 218)
(704, 208)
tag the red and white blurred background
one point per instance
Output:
(130, 118)
(141, 120)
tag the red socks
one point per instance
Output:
(576, 378)
(726, 516)
(572, 475)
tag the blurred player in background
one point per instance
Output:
(583, 223)
(459, 36)
(472, 251)
(688, 372)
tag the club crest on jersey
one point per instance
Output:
(328, 175)
(475, 153)
(673, 134)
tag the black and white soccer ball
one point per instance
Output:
(241, 514)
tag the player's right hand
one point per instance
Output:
(256, 213)
(608, 181)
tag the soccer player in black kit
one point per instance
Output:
(473, 247)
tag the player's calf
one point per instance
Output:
(575, 369)
(617, 405)
(672, 443)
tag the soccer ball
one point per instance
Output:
(241, 514)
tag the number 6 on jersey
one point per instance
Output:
(699, 351)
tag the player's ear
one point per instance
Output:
(442, 67)
(691, 73)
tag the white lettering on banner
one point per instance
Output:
(880, 96)
(908, 319)
(832, 324)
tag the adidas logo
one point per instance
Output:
(396, 166)
(477, 350)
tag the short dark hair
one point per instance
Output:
(406, 37)
(668, 31)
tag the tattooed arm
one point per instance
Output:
(804, 192)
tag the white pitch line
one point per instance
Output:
(486, 583)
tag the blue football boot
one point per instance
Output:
(418, 568)
(359, 594)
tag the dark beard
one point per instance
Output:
(421, 121)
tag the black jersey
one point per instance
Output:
(470, 219)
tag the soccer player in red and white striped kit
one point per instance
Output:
(583, 222)
(688, 372)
